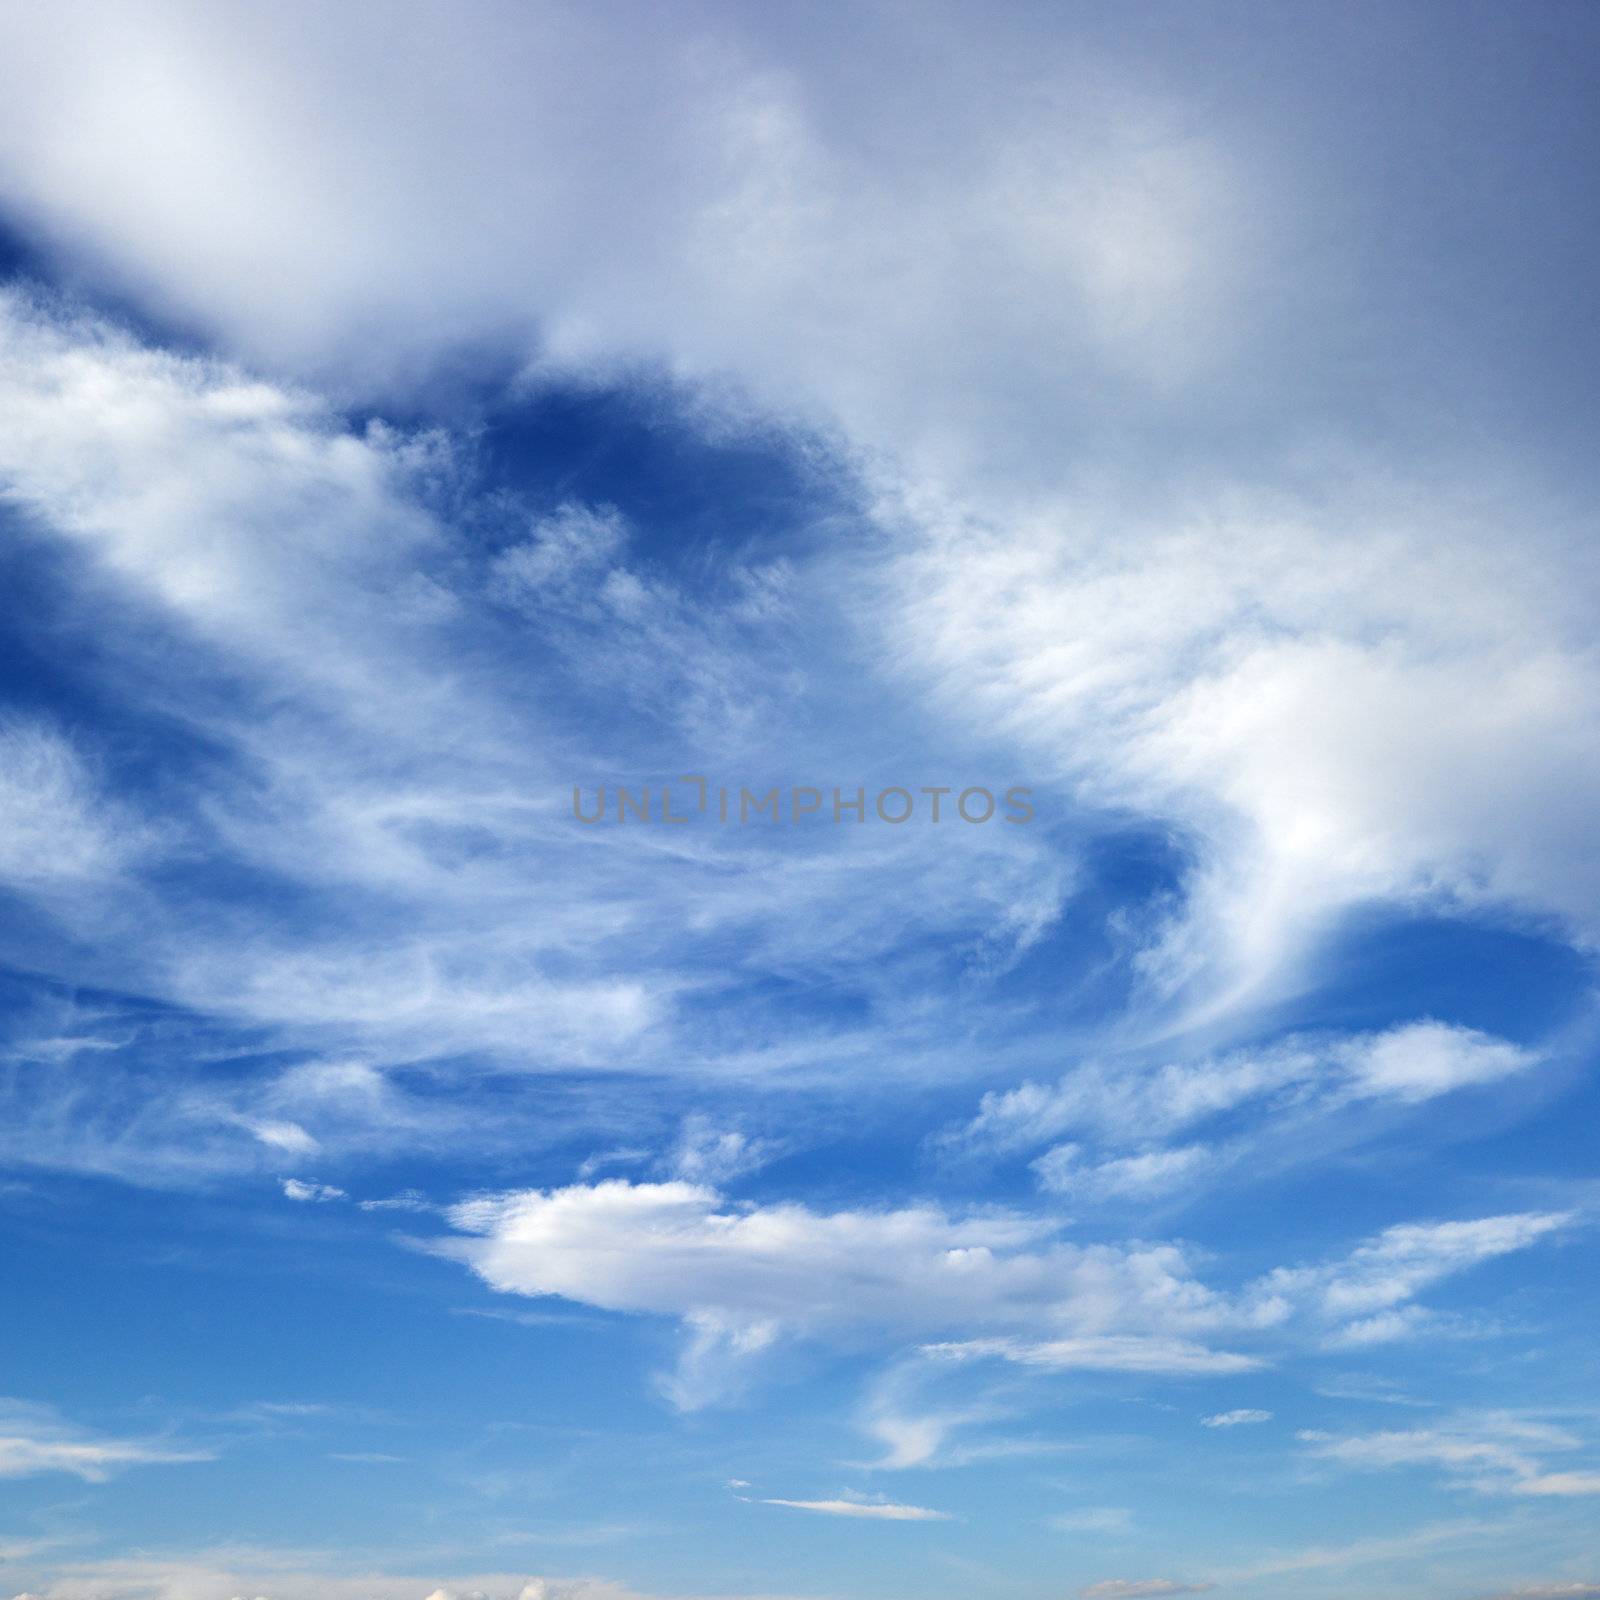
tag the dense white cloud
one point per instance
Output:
(741, 1276)
(1425, 1059)
(989, 1285)
(1337, 703)
(715, 193)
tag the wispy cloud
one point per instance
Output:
(1496, 1453)
(315, 1193)
(1111, 1520)
(35, 1440)
(1548, 1591)
(1105, 1353)
(1365, 1297)
(1140, 1588)
(1027, 391)
(1235, 1419)
(1125, 1107)
(873, 1510)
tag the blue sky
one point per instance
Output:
(410, 416)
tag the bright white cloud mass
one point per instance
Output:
(419, 426)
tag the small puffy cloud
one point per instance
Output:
(312, 1193)
(1235, 1419)
(1425, 1059)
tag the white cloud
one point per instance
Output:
(739, 1276)
(56, 827)
(991, 1285)
(1425, 1059)
(406, 1200)
(284, 1135)
(1329, 672)
(427, 902)
(877, 1510)
(1105, 1353)
(1235, 1419)
(1122, 1102)
(711, 1155)
(1361, 1294)
(1096, 1519)
(1153, 1172)
(1331, 682)
(1262, 1101)
(575, 543)
(1335, 702)
(319, 1193)
(1560, 1484)
(914, 1427)
(1496, 1453)
(34, 1440)
(740, 188)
